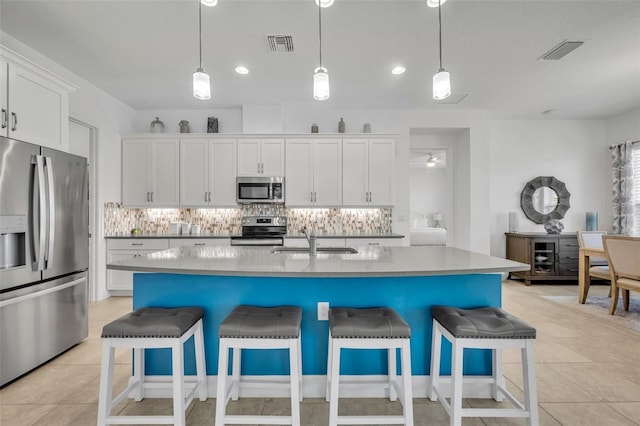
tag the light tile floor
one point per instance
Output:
(586, 364)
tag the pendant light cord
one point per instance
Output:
(440, 32)
(200, 30)
(320, 30)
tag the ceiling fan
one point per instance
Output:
(432, 161)
(428, 159)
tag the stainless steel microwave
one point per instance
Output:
(260, 190)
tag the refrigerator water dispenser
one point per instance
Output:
(12, 240)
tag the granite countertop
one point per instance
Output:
(369, 261)
(227, 235)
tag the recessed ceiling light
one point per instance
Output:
(242, 70)
(324, 3)
(209, 3)
(435, 3)
(398, 70)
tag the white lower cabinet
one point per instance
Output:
(194, 242)
(126, 248)
(381, 242)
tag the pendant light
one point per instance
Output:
(201, 84)
(320, 76)
(433, 3)
(324, 3)
(441, 81)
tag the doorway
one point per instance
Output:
(82, 141)
(439, 191)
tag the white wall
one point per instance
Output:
(229, 119)
(110, 117)
(575, 152)
(624, 127)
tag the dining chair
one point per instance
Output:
(598, 266)
(623, 254)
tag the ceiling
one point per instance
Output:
(144, 52)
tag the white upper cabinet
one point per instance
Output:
(35, 103)
(313, 175)
(368, 172)
(194, 172)
(150, 172)
(208, 172)
(261, 157)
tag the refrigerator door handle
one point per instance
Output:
(19, 299)
(41, 219)
(52, 212)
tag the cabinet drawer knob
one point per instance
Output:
(199, 244)
(137, 244)
(5, 118)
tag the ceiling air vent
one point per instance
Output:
(280, 43)
(561, 50)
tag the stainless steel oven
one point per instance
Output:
(259, 190)
(262, 231)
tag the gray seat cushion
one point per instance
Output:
(491, 323)
(367, 323)
(154, 322)
(280, 322)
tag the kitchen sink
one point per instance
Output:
(303, 250)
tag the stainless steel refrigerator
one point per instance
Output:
(44, 258)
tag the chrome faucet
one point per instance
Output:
(311, 238)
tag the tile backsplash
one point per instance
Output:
(118, 219)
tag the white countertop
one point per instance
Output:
(369, 261)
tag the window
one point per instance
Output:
(635, 194)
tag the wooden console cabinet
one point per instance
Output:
(553, 257)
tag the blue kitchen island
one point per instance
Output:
(408, 279)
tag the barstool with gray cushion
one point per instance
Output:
(370, 328)
(152, 328)
(254, 327)
(482, 328)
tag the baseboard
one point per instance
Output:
(313, 386)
